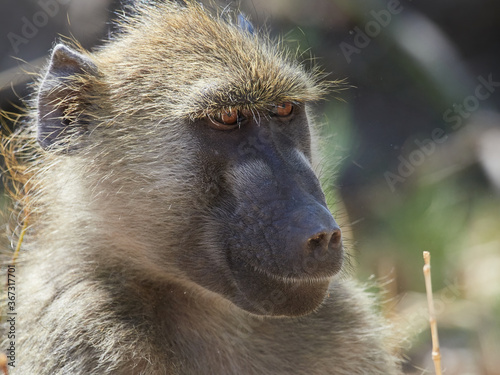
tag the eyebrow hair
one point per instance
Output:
(254, 95)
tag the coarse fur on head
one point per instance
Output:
(176, 223)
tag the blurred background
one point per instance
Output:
(414, 145)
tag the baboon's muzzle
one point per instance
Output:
(289, 245)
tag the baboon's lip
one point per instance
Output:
(307, 279)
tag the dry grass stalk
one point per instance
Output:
(436, 355)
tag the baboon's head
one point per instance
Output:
(184, 148)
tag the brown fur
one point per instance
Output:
(120, 272)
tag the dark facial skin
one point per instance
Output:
(278, 242)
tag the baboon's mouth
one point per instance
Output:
(264, 293)
(292, 279)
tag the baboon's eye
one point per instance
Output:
(226, 120)
(229, 117)
(283, 109)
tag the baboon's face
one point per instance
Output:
(197, 160)
(271, 242)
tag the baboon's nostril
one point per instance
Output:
(324, 241)
(336, 239)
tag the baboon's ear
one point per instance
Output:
(61, 97)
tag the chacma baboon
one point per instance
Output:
(176, 225)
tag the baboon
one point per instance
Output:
(176, 225)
